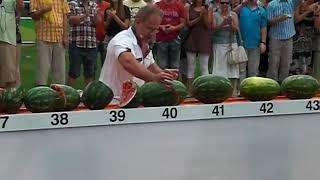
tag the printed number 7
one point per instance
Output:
(5, 121)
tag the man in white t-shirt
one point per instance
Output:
(129, 56)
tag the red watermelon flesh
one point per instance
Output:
(129, 90)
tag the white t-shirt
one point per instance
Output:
(112, 73)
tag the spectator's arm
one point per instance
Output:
(191, 22)
(263, 35)
(76, 20)
(66, 12)
(19, 5)
(277, 19)
(179, 26)
(298, 17)
(238, 8)
(235, 24)
(123, 24)
(38, 14)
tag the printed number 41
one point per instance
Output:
(5, 121)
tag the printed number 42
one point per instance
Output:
(5, 121)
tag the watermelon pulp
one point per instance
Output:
(129, 91)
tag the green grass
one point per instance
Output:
(28, 68)
(27, 30)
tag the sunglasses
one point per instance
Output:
(227, 3)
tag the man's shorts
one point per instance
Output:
(85, 56)
(8, 64)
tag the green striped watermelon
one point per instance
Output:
(211, 89)
(259, 89)
(96, 95)
(300, 87)
(44, 99)
(155, 94)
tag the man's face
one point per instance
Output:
(149, 28)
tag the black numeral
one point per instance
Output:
(266, 108)
(117, 116)
(170, 113)
(61, 119)
(313, 105)
(5, 121)
(218, 110)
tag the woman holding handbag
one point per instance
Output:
(225, 27)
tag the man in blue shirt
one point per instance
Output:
(253, 28)
(280, 17)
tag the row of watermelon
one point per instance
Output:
(207, 89)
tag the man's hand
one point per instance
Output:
(173, 72)
(65, 41)
(283, 17)
(263, 48)
(164, 77)
(46, 8)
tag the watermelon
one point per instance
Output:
(131, 96)
(72, 96)
(44, 99)
(155, 94)
(11, 100)
(211, 89)
(300, 87)
(96, 95)
(259, 89)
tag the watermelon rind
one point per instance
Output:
(11, 100)
(136, 101)
(72, 97)
(96, 95)
(300, 87)
(259, 89)
(44, 99)
(210, 89)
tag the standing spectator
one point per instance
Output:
(134, 6)
(8, 42)
(253, 27)
(316, 41)
(198, 42)
(83, 45)
(167, 45)
(183, 35)
(280, 17)
(117, 18)
(51, 39)
(100, 30)
(225, 28)
(129, 57)
(18, 49)
(302, 41)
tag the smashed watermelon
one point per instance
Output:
(131, 96)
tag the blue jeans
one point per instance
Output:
(85, 56)
(168, 54)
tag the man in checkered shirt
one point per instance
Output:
(83, 44)
(51, 38)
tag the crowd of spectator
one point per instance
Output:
(281, 37)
